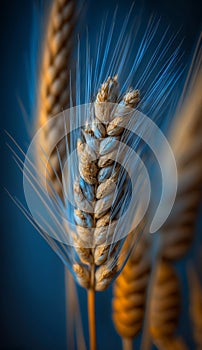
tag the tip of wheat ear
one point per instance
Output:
(95, 186)
(109, 91)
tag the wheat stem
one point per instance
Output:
(146, 343)
(70, 307)
(91, 318)
(127, 343)
(146, 337)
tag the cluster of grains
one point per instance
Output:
(165, 306)
(95, 188)
(130, 292)
(53, 94)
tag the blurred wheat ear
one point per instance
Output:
(129, 291)
(164, 309)
(195, 296)
(177, 233)
(186, 142)
(53, 97)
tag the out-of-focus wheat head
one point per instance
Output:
(53, 95)
(177, 233)
(164, 309)
(186, 142)
(129, 291)
(176, 343)
(195, 296)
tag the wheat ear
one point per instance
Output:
(186, 142)
(53, 97)
(175, 343)
(164, 308)
(195, 294)
(94, 189)
(53, 94)
(130, 294)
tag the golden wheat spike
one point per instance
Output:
(98, 177)
(130, 294)
(195, 292)
(164, 308)
(94, 188)
(186, 142)
(53, 94)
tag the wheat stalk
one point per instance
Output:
(130, 294)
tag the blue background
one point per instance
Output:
(32, 278)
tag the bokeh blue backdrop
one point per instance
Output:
(32, 277)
